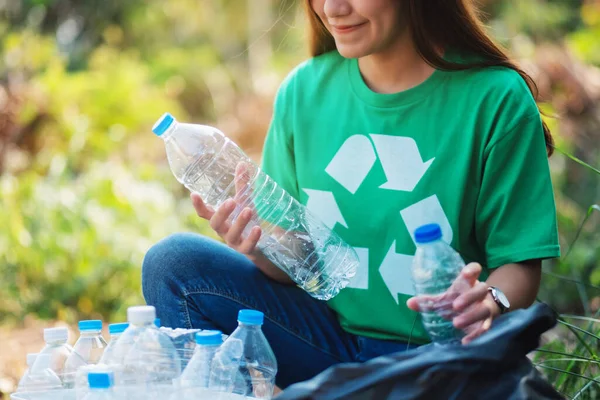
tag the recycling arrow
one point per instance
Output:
(401, 162)
(396, 273)
(352, 162)
(427, 211)
(323, 205)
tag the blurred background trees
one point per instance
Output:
(85, 188)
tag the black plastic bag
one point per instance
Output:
(494, 366)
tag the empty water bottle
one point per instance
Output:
(436, 267)
(197, 372)
(101, 384)
(48, 370)
(153, 360)
(25, 380)
(224, 369)
(115, 331)
(258, 365)
(90, 345)
(207, 162)
(140, 318)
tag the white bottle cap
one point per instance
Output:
(56, 335)
(141, 315)
(31, 359)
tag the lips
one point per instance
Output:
(346, 28)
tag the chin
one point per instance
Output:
(351, 51)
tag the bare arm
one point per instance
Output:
(520, 282)
(269, 269)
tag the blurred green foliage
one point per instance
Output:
(85, 188)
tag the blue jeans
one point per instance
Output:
(197, 282)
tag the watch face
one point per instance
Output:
(502, 298)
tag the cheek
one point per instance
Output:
(317, 6)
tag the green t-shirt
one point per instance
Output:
(463, 149)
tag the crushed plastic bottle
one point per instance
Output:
(257, 366)
(24, 382)
(48, 370)
(225, 366)
(297, 242)
(152, 361)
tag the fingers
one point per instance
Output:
(201, 208)
(234, 235)
(249, 244)
(476, 294)
(479, 330)
(242, 178)
(471, 272)
(479, 312)
(219, 219)
(413, 304)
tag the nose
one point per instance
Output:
(336, 8)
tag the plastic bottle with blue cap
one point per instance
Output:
(435, 269)
(256, 366)
(205, 161)
(100, 386)
(115, 331)
(197, 372)
(91, 344)
(90, 347)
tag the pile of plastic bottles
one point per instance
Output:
(143, 361)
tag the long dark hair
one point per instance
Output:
(434, 24)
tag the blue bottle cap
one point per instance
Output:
(251, 317)
(163, 124)
(157, 322)
(428, 233)
(209, 338)
(100, 380)
(117, 328)
(90, 325)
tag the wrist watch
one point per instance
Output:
(500, 299)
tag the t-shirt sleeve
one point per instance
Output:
(516, 213)
(278, 152)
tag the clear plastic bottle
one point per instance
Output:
(225, 368)
(48, 370)
(435, 269)
(140, 318)
(100, 384)
(207, 162)
(197, 372)
(258, 365)
(152, 361)
(115, 331)
(25, 380)
(91, 344)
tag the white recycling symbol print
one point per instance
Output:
(403, 168)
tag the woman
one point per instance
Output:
(407, 114)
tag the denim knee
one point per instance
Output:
(168, 261)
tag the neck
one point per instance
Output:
(398, 68)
